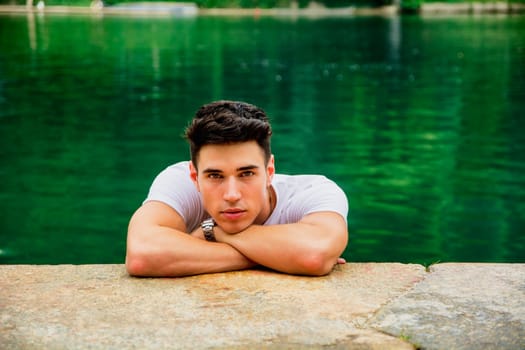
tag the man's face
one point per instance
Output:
(235, 184)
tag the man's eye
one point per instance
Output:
(247, 173)
(214, 176)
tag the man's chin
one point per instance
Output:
(233, 229)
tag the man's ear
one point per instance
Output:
(270, 169)
(194, 175)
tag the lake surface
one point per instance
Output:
(420, 120)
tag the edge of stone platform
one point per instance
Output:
(243, 309)
(357, 306)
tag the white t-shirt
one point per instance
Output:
(297, 196)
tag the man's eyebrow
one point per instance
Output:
(248, 167)
(243, 168)
(211, 170)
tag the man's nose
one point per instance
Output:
(231, 192)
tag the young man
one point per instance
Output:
(226, 209)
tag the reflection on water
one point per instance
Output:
(419, 120)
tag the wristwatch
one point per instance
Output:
(207, 227)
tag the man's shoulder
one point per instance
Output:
(182, 165)
(300, 179)
(174, 187)
(177, 169)
(173, 176)
(305, 184)
(300, 195)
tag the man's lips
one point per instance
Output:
(233, 213)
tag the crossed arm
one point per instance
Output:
(158, 245)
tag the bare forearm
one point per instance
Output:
(167, 252)
(295, 248)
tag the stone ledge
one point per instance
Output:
(461, 306)
(357, 306)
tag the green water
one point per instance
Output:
(421, 121)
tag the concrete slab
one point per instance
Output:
(461, 306)
(101, 307)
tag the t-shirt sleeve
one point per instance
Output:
(300, 195)
(323, 195)
(173, 186)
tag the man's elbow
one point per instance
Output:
(317, 265)
(136, 265)
(321, 260)
(140, 262)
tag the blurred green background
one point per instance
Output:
(420, 120)
(405, 4)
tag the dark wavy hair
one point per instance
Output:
(228, 122)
